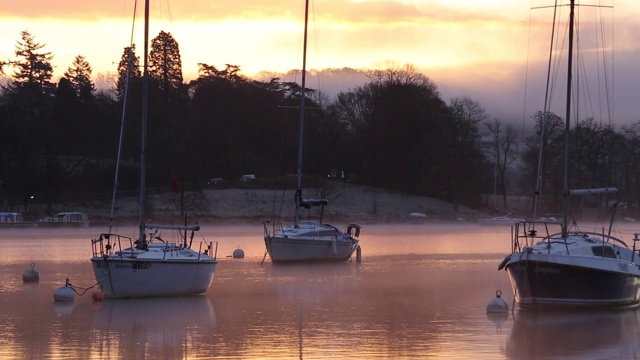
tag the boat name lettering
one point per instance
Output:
(140, 265)
(546, 270)
(623, 267)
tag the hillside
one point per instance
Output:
(347, 203)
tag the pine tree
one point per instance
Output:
(79, 75)
(164, 62)
(32, 68)
(128, 63)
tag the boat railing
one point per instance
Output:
(635, 242)
(605, 237)
(175, 248)
(528, 233)
(172, 227)
(210, 250)
(271, 227)
(113, 244)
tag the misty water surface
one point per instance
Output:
(420, 291)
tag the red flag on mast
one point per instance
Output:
(174, 186)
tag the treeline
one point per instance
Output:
(60, 141)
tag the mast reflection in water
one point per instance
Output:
(420, 292)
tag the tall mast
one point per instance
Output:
(543, 121)
(301, 129)
(143, 144)
(565, 209)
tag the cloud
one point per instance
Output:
(467, 46)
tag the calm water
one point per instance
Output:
(420, 292)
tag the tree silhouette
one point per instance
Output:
(549, 134)
(398, 115)
(501, 147)
(466, 163)
(29, 98)
(165, 64)
(128, 70)
(79, 76)
(32, 68)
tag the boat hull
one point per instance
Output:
(290, 249)
(125, 278)
(542, 281)
(499, 222)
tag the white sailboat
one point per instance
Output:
(552, 267)
(308, 241)
(152, 265)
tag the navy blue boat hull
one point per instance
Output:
(540, 284)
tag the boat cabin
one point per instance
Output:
(10, 217)
(68, 218)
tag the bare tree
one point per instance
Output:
(464, 146)
(407, 74)
(501, 147)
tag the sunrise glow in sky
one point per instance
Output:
(468, 47)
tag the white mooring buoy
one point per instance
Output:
(31, 275)
(64, 293)
(238, 253)
(63, 308)
(497, 305)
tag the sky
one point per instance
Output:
(494, 51)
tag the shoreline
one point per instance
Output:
(348, 203)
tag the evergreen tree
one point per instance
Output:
(164, 63)
(129, 64)
(79, 75)
(32, 68)
(28, 112)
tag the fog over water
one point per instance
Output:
(421, 291)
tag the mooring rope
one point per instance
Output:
(84, 290)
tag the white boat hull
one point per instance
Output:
(284, 249)
(124, 278)
(309, 242)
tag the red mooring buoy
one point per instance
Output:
(97, 295)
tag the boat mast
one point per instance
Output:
(543, 121)
(565, 209)
(143, 144)
(301, 129)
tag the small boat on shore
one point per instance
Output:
(500, 220)
(13, 220)
(67, 218)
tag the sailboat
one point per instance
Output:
(153, 264)
(551, 267)
(308, 240)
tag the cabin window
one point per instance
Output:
(604, 251)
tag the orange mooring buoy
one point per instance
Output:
(97, 295)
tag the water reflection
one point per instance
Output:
(313, 283)
(420, 292)
(63, 308)
(499, 319)
(153, 328)
(577, 335)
